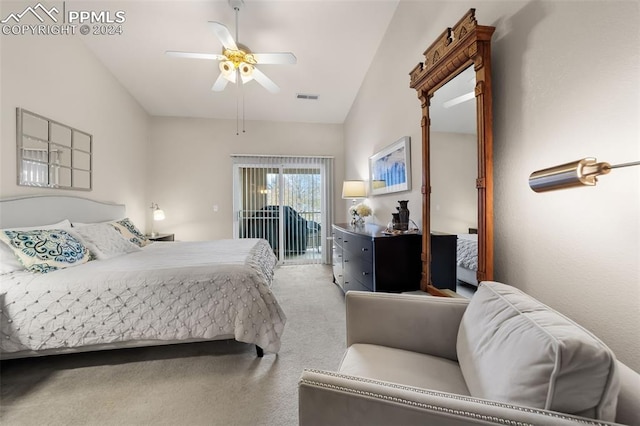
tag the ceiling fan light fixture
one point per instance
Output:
(228, 70)
(246, 72)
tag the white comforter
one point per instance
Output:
(467, 256)
(168, 292)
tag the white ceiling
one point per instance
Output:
(335, 42)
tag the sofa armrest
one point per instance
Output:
(327, 398)
(414, 323)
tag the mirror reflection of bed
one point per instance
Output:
(453, 165)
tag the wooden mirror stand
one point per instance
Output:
(459, 47)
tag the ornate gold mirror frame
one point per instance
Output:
(466, 44)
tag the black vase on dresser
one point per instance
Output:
(403, 215)
(366, 259)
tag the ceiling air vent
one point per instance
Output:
(305, 96)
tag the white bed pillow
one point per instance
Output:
(104, 241)
(45, 250)
(9, 262)
(63, 224)
(81, 224)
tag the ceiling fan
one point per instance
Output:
(236, 59)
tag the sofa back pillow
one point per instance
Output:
(514, 349)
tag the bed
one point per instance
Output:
(161, 293)
(467, 258)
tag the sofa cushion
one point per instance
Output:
(403, 367)
(514, 349)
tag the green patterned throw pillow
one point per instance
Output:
(45, 250)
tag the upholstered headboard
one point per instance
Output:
(46, 209)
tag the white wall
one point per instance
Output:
(566, 86)
(58, 77)
(190, 168)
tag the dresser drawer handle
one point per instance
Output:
(346, 260)
(364, 274)
(365, 249)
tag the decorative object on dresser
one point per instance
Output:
(403, 215)
(463, 46)
(364, 258)
(390, 169)
(358, 213)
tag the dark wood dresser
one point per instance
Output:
(443, 260)
(366, 259)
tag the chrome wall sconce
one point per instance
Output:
(578, 173)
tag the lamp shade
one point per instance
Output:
(158, 214)
(353, 189)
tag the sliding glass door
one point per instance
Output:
(285, 201)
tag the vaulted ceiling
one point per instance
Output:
(334, 42)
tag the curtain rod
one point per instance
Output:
(283, 156)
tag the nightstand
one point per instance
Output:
(162, 237)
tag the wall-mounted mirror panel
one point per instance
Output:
(81, 179)
(51, 154)
(61, 175)
(34, 126)
(60, 135)
(81, 160)
(454, 86)
(82, 142)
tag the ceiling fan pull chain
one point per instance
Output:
(237, 9)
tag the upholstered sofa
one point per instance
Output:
(502, 358)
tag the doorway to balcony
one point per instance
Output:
(285, 200)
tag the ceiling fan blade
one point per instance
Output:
(265, 81)
(192, 55)
(223, 34)
(275, 58)
(220, 84)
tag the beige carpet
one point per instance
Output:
(213, 383)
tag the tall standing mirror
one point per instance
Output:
(454, 86)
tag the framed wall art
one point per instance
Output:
(390, 169)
